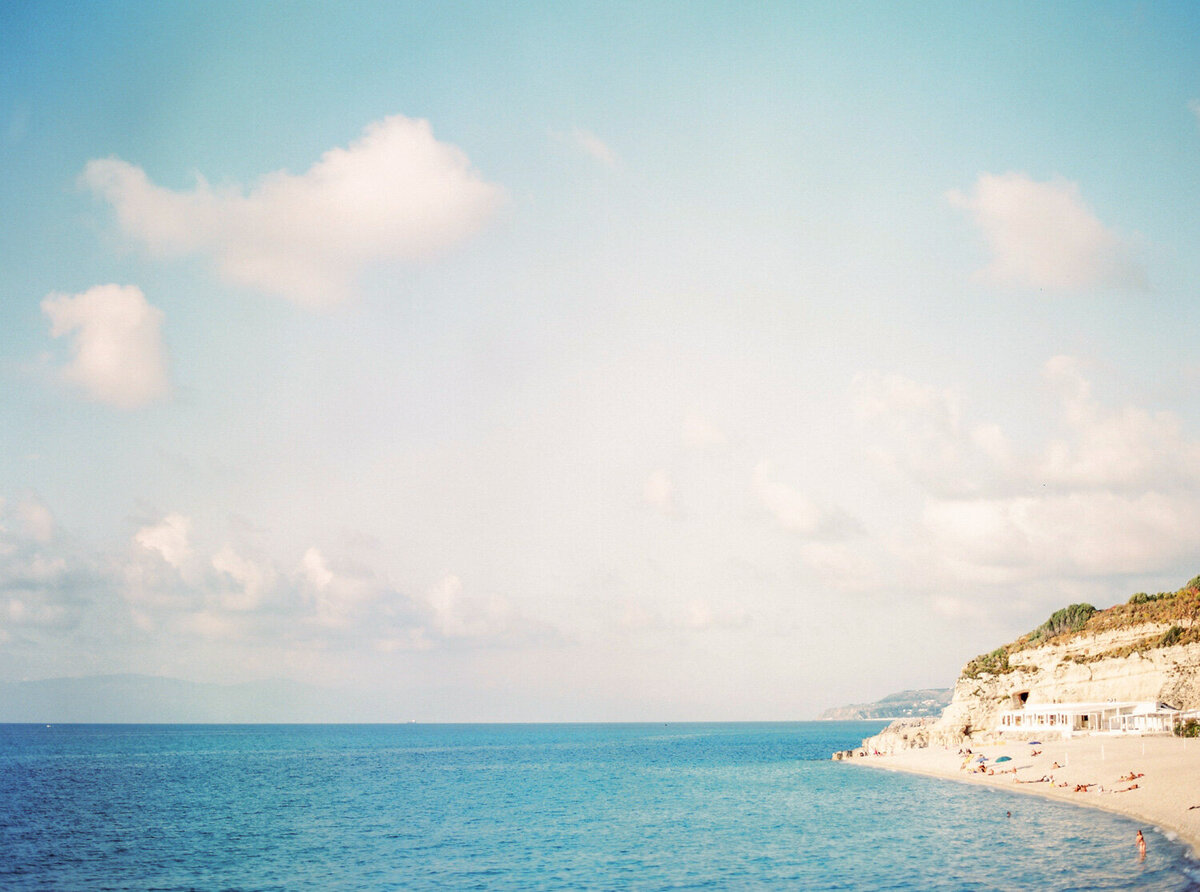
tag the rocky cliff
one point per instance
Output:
(1145, 649)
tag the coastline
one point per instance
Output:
(1166, 790)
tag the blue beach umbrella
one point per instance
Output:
(1004, 759)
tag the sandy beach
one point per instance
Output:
(1154, 779)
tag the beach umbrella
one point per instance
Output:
(1004, 759)
(1035, 743)
(981, 759)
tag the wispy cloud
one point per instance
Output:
(117, 351)
(395, 194)
(1043, 235)
(589, 144)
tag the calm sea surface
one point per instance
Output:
(716, 806)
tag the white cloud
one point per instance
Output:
(1112, 490)
(793, 511)
(446, 601)
(658, 492)
(315, 570)
(167, 590)
(163, 575)
(395, 194)
(919, 430)
(44, 585)
(457, 616)
(254, 580)
(338, 599)
(168, 538)
(1075, 534)
(1043, 235)
(590, 144)
(796, 512)
(117, 353)
(1121, 448)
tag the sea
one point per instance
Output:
(540, 806)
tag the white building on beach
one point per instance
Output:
(1110, 717)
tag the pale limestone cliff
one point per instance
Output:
(1129, 663)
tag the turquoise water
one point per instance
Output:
(693, 806)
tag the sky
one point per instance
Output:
(590, 361)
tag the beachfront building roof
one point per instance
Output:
(1075, 718)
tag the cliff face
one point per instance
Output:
(1145, 650)
(1080, 671)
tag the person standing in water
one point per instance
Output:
(1141, 844)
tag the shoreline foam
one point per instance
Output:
(1166, 791)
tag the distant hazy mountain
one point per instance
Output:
(905, 704)
(153, 699)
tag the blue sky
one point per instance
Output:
(590, 361)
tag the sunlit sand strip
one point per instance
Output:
(1154, 780)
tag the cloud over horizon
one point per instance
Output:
(1043, 235)
(45, 584)
(236, 592)
(396, 193)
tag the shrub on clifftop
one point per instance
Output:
(994, 663)
(1069, 619)
(1176, 614)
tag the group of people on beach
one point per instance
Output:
(978, 765)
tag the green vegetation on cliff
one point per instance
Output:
(1064, 622)
(1180, 609)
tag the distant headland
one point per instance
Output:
(924, 703)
